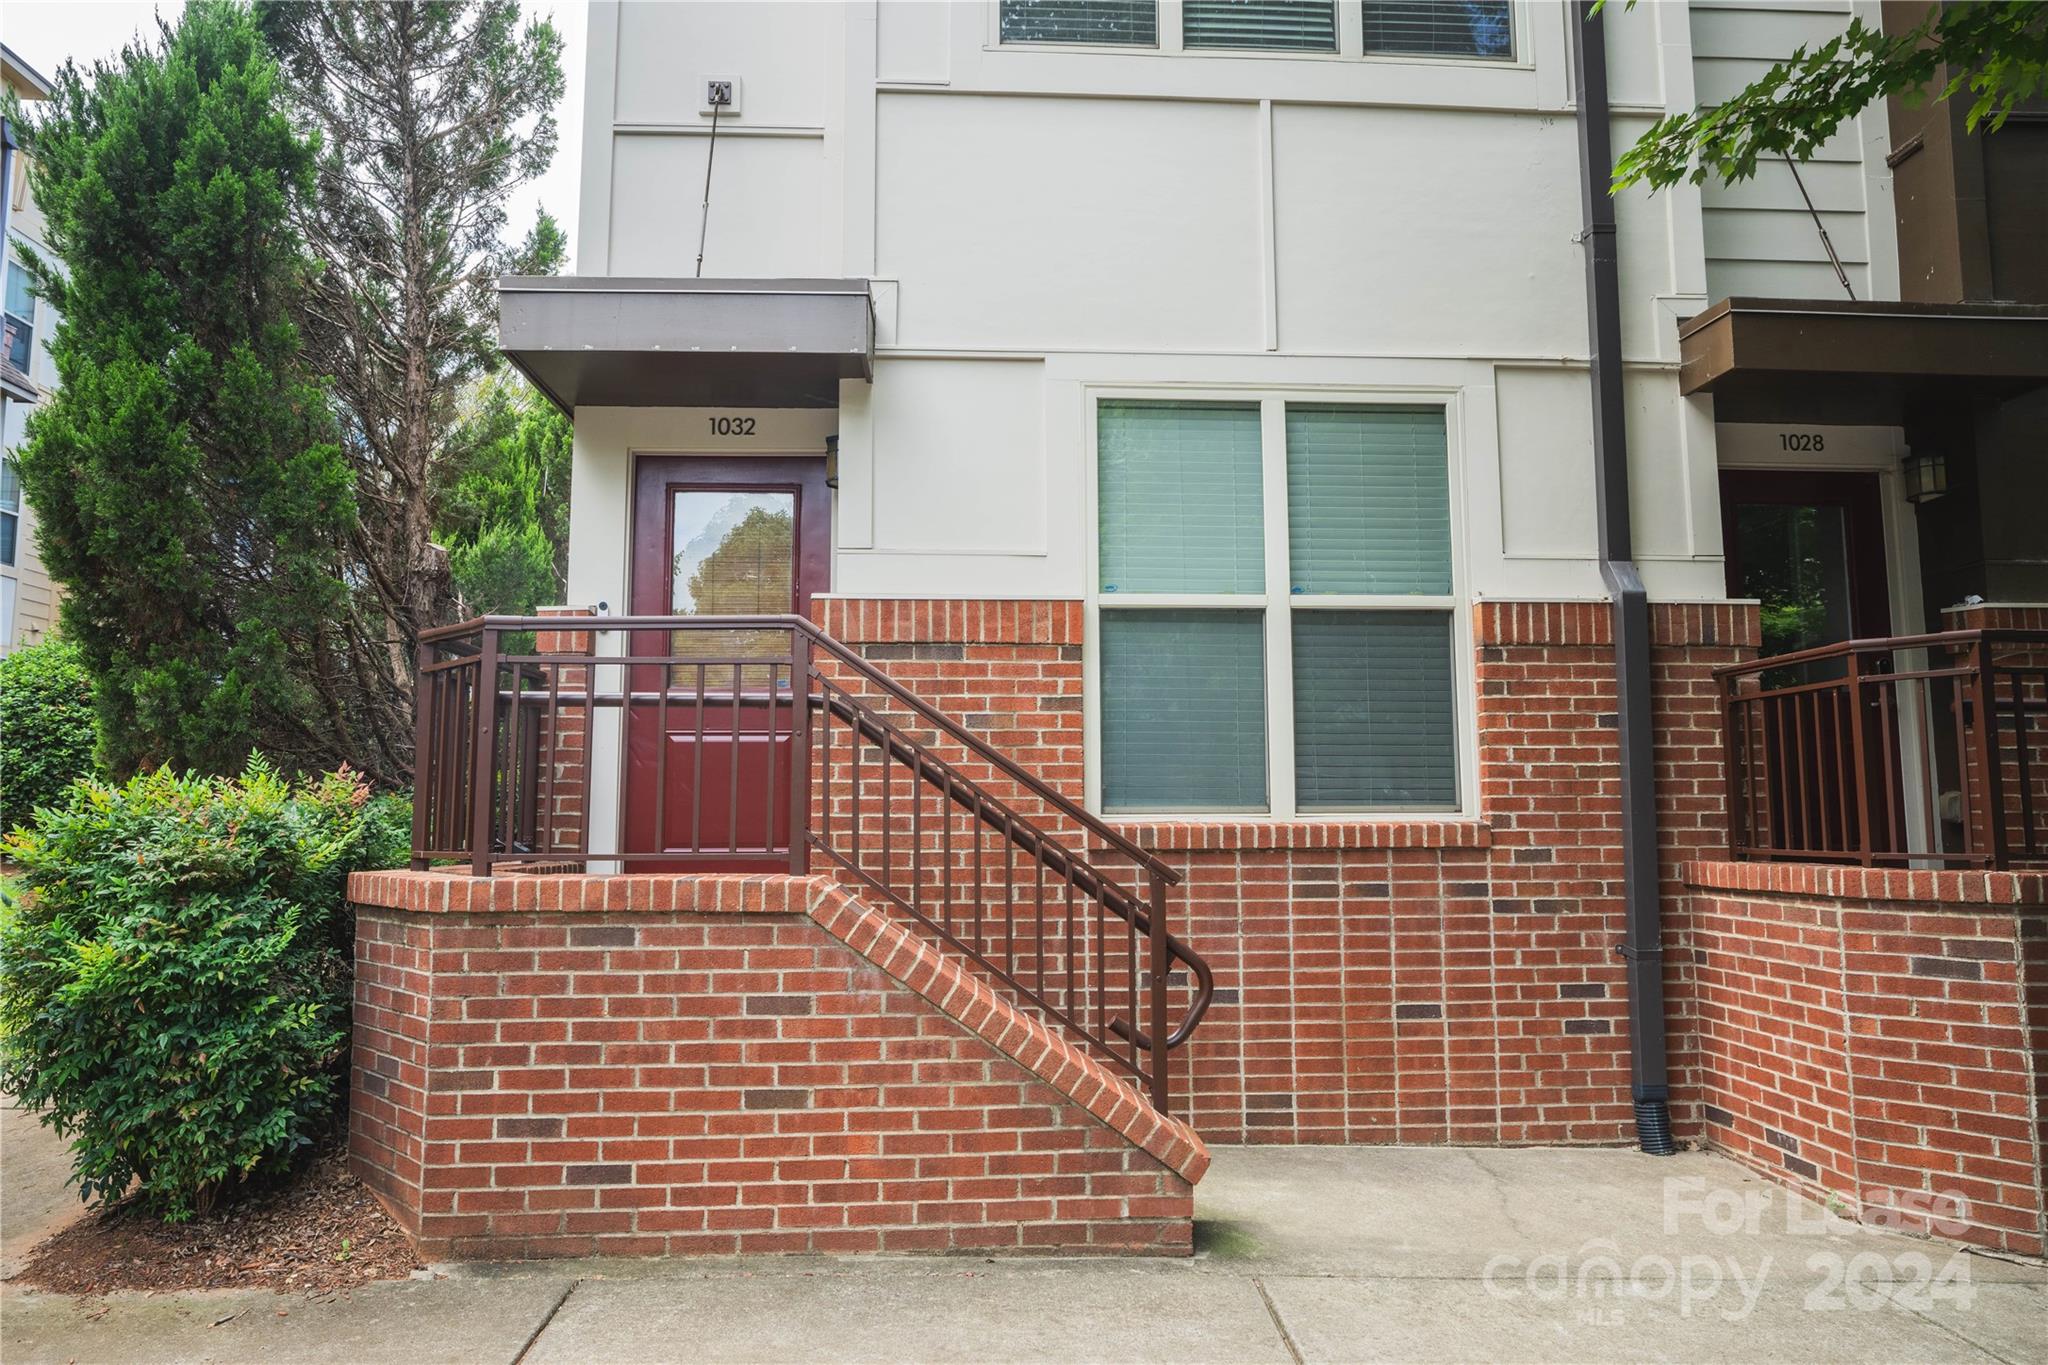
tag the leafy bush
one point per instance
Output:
(176, 973)
(46, 727)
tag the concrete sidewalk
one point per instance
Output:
(1306, 1254)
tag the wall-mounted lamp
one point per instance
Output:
(831, 462)
(1926, 476)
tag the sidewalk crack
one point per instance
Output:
(1273, 1312)
(549, 1317)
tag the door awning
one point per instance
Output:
(595, 341)
(1858, 361)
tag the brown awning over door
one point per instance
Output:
(1768, 360)
(617, 342)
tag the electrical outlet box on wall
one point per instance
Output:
(720, 93)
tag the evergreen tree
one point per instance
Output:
(505, 507)
(430, 113)
(190, 492)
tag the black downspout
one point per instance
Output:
(1642, 945)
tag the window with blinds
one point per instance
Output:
(1276, 25)
(1209, 666)
(1440, 28)
(1368, 500)
(1181, 497)
(1129, 23)
(1183, 711)
(1375, 720)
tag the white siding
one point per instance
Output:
(1760, 238)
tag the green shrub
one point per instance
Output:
(46, 727)
(176, 974)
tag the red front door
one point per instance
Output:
(708, 747)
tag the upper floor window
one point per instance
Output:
(10, 512)
(1440, 28)
(20, 318)
(1275, 608)
(1127, 23)
(1282, 25)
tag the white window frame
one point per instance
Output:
(1278, 601)
(12, 510)
(1350, 41)
(34, 319)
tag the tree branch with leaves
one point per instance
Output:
(1994, 52)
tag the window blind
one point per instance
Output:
(1131, 22)
(1368, 500)
(1283, 25)
(1181, 505)
(1375, 711)
(1440, 28)
(1183, 711)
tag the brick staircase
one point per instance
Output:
(563, 1065)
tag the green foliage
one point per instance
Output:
(190, 492)
(1995, 51)
(174, 977)
(544, 251)
(505, 510)
(46, 726)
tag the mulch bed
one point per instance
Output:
(319, 1231)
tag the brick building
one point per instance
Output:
(1131, 602)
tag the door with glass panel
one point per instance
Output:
(708, 760)
(1275, 608)
(1809, 547)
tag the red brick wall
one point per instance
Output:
(1391, 981)
(710, 1065)
(1878, 1037)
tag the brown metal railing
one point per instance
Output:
(760, 741)
(1923, 750)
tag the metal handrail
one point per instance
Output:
(484, 711)
(1851, 767)
(1144, 857)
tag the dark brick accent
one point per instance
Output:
(1534, 855)
(921, 653)
(1280, 1099)
(467, 1080)
(775, 1099)
(603, 936)
(616, 1174)
(1716, 1115)
(1506, 906)
(1978, 949)
(373, 1084)
(1479, 890)
(1799, 1166)
(1372, 891)
(529, 1128)
(1070, 654)
(1948, 970)
(1225, 995)
(1060, 704)
(1418, 1011)
(778, 1004)
(1588, 1026)
(1582, 990)
(1784, 1141)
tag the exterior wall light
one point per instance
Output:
(1926, 476)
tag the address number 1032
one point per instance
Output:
(731, 426)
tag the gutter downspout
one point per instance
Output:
(1642, 945)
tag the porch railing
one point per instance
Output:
(1923, 750)
(757, 742)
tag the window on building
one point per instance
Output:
(1440, 28)
(20, 318)
(1276, 608)
(10, 512)
(1128, 23)
(1282, 25)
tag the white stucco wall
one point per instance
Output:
(1045, 225)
